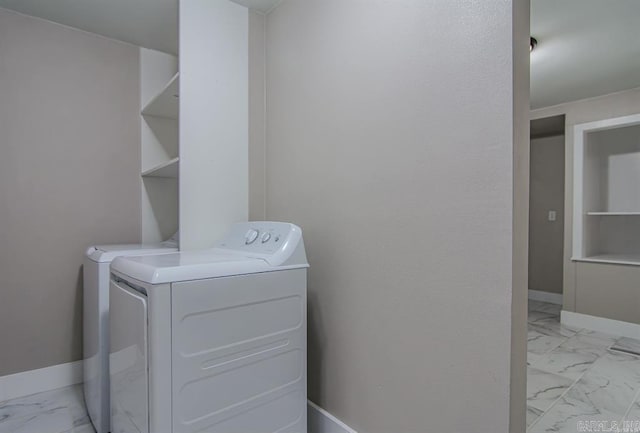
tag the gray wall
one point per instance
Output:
(397, 161)
(546, 193)
(69, 178)
(579, 291)
(606, 290)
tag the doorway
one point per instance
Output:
(546, 209)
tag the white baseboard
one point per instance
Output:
(40, 380)
(552, 298)
(600, 324)
(321, 421)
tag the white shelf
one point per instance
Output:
(165, 103)
(168, 169)
(617, 259)
(612, 213)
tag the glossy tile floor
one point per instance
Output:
(58, 411)
(574, 378)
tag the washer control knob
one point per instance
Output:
(251, 236)
(266, 237)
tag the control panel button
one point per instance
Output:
(251, 236)
(266, 237)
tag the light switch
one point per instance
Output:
(552, 215)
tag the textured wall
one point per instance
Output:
(69, 178)
(390, 128)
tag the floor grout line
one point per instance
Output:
(633, 401)
(560, 397)
(554, 347)
(563, 394)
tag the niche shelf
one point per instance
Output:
(618, 259)
(606, 227)
(165, 103)
(168, 169)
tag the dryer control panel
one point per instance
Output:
(275, 242)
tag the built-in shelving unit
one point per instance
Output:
(167, 169)
(195, 127)
(166, 102)
(159, 99)
(606, 227)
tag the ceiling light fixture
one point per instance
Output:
(532, 43)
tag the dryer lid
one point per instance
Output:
(186, 266)
(247, 248)
(106, 253)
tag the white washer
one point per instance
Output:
(212, 340)
(95, 319)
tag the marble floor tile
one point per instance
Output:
(28, 406)
(544, 389)
(588, 343)
(552, 326)
(532, 358)
(74, 399)
(546, 307)
(532, 415)
(611, 384)
(534, 305)
(85, 428)
(597, 384)
(563, 417)
(70, 397)
(54, 411)
(540, 342)
(535, 316)
(620, 367)
(601, 335)
(57, 420)
(633, 414)
(567, 362)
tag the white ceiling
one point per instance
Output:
(147, 23)
(586, 48)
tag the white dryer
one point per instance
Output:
(95, 319)
(212, 341)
